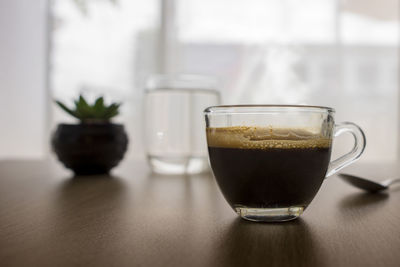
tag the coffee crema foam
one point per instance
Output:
(245, 137)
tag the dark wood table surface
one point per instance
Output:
(135, 218)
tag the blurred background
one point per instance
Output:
(343, 54)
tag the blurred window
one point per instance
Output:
(335, 53)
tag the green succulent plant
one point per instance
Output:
(87, 113)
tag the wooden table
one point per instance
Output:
(48, 218)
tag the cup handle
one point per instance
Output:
(358, 148)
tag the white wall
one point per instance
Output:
(23, 104)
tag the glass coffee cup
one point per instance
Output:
(270, 160)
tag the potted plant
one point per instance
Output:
(95, 145)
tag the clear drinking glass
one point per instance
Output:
(174, 125)
(270, 161)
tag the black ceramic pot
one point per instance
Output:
(90, 148)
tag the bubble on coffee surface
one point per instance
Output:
(265, 138)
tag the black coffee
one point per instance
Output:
(268, 168)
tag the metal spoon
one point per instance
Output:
(366, 184)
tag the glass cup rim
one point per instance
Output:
(261, 109)
(182, 82)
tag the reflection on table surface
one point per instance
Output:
(134, 217)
